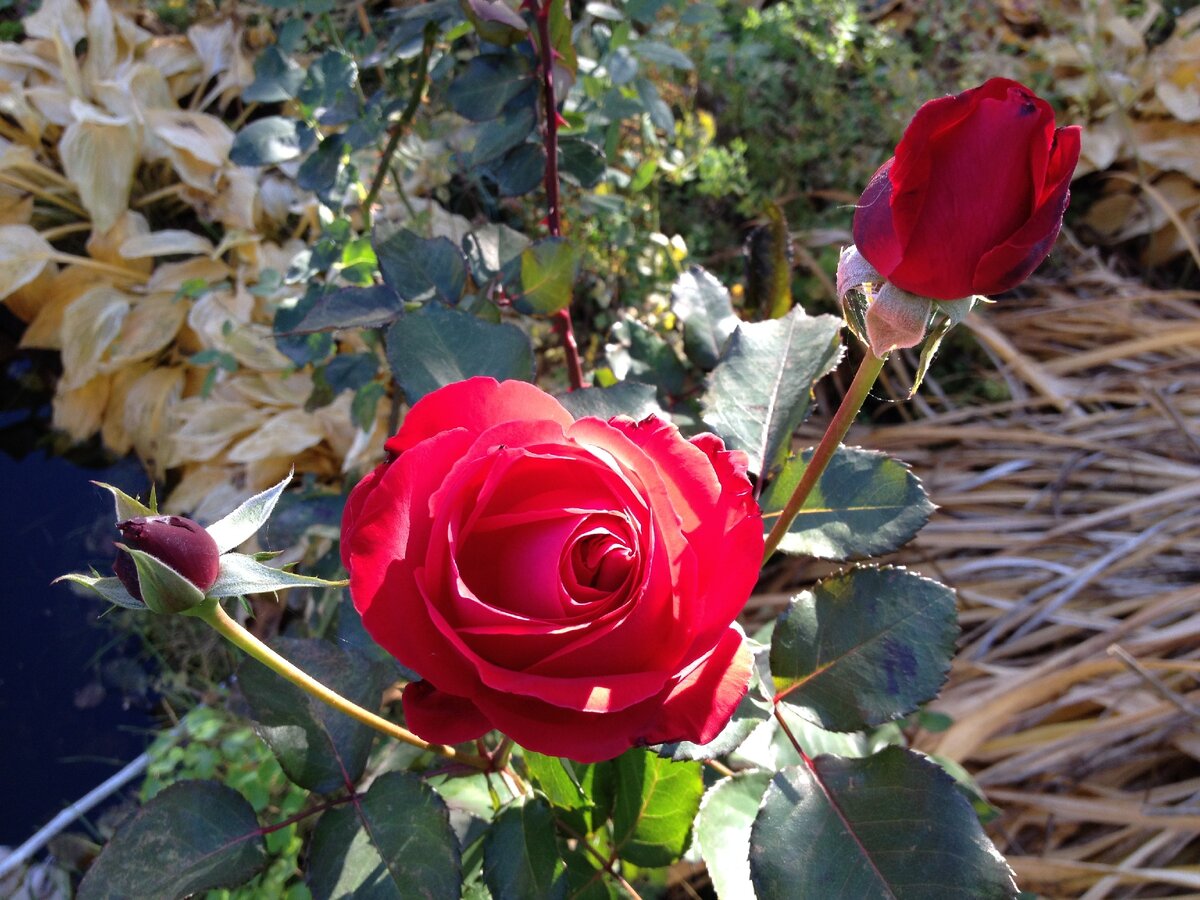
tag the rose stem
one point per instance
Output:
(562, 318)
(396, 132)
(864, 378)
(211, 612)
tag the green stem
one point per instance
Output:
(864, 378)
(211, 612)
(397, 131)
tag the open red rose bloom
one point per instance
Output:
(570, 583)
(974, 197)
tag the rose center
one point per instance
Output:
(600, 560)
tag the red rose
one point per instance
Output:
(973, 199)
(570, 583)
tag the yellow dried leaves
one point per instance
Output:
(1139, 95)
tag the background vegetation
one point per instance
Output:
(166, 254)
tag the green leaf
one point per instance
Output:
(277, 77)
(520, 170)
(626, 398)
(761, 389)
(864, 647)
(769, 265)
(163, 589)
(239, 525)
(110, 589)
(891, 825)
(354, 307)
(864, 504)
(489, 82)
(636, 352)
(268, 141)
(581, 161)
(393, 842)
(549, 268)
(328, 88)
(241, 575)
(520, 854)
(419, 268)
(622, 66)
(704, 307)
(318, 747)
(656, 108)
(350, 371)
(492, 246)
(723, 824)
(495, 138)
(661, 54)
(656, 801)
(365, 403)
(556, 780)
(586, 880)
(193, 836)
(566, 60)
(435, 346)
(319, 173)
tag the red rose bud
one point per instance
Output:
(974, 197)
(174, 541)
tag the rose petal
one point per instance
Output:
(442, 718)
(475, 404)
(1009, 264)
(702, 702)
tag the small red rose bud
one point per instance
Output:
(173, 540)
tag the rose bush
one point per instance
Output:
(974, 197)
(570, 583)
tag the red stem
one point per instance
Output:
(562, 318)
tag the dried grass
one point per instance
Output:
(1070, 526)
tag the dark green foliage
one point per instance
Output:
(194, 836)
(864, 647)
(318, 747)
(275, 139)
(890, 825)
(418, 268)
(762, 388)
(520, 854)
(393, 842)
(435, 346)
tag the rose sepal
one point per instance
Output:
(164, 590)
(109, 588)
(886, 318)
(129, 507)
(241, 574)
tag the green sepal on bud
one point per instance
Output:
(162, 589)
(885, 318)
(170, 564)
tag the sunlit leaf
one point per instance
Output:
(864, 504)
(864, 647)
(761, 389)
